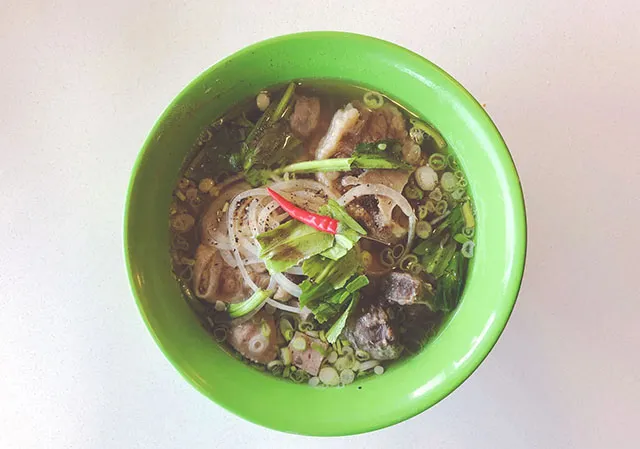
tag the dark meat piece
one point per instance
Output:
(371, 330)
(365, 211)
(255, 338)
(305, 116)
(403, 288)
(385, 123)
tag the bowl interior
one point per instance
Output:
(494, 277)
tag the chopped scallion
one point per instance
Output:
(285, 355)
(299, 343)
(467, 214)
(329, 376)
(437, 161)
(423, 229)
(347, 376)
(431, 132)
(220, 333)
(373, 100)
(435, 195)
(441, 207)
(243, 308)
(448, 181)
(467, 249)
(357, 283)
(398, 250)
(362, 356)
(422, 212)
(286, 329)
(386, 258)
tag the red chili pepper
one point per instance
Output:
(319, 222)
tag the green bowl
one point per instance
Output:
(464, 340)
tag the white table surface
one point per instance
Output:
(81, 84)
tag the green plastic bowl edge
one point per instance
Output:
(489, 340)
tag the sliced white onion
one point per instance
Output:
(220, 241)
(285, 307)
(305, 312)
(222, 246)
(301, 184)
(232, 232)
(306, 199)
(288, 286)
(263, 218)
(272, 284)
(227, 256)
(249, 247)
(364, 366)
(253, 217)
(329, 376)
(295, 270)
(382, 190)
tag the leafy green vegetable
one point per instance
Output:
(453, 224)
(384, 154)
(276, 146)
(336, 272)
(451, 284)
(358, 283)
(291, 242)
(438, 265)
(380, 147)
(239, 309)
(336, 329)
(271, 142)
(382, 162)
(330, 283)
(349, 231)
(346, 164)
(257, 177)
(217, 150)
(329, 306)
(335, 210)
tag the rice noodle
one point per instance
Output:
(382, 190)
(287, 285)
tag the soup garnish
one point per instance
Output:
(321, 232)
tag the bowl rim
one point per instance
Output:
(514, 185)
